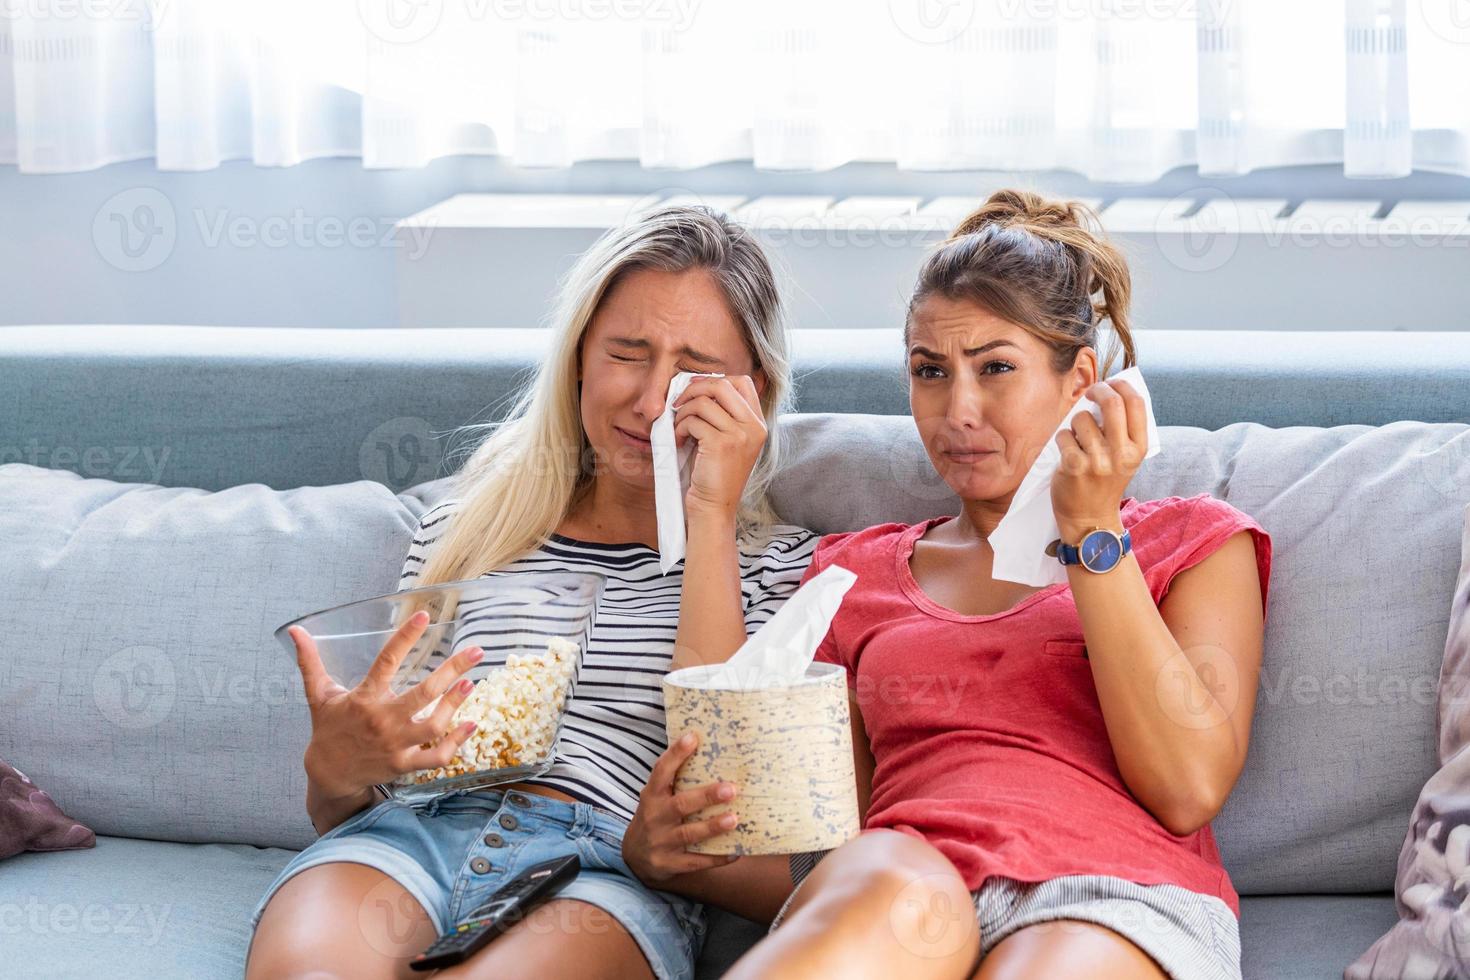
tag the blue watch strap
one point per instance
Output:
(1068, 554)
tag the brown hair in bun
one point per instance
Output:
(1037, 262)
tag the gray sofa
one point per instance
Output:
(323, 447)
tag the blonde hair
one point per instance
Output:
(1037, 262)
(522, 480)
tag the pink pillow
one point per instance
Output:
(31, 821)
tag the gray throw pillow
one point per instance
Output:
(139, 680)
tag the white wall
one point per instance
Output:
(309, 245)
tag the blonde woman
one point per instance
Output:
(565, 483)
(1050, 815)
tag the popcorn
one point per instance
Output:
(516, 708)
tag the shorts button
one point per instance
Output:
(494, 840)
(518, 799)
(480, 866)
(508, 821)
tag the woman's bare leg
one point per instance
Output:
(1068, 948)
(883, 905)
(339, 919)
(563, 938)
(347, 920)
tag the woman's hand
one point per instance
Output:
(1098, 461)
(367, 735)
(724, 417)
(654, 843)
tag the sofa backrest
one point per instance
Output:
(215, 407)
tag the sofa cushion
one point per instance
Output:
(147, 909)
(1365, 526)
(150, 698)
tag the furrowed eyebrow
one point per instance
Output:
(630, 343)
(969, 352)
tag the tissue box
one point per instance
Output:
(787, 748)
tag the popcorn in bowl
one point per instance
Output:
(517, 710)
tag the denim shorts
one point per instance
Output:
(1191, 936)
(452, 852)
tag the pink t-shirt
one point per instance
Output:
(987, 731)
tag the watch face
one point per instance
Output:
(1100, 551)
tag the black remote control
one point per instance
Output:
(503, 909)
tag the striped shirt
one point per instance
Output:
(614, 727)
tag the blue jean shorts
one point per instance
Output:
(452, 852)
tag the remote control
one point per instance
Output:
(503, 909)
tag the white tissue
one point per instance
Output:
(671, 469)
(778, 654)
(1020, 540)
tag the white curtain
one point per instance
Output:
(1117, 90)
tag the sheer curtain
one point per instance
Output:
(1117, 90)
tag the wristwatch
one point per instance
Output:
(1100, 550)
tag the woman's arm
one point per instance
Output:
(1176, 681)
(711, 606)
(723, 415)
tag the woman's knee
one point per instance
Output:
(339, 919)
(890, 878)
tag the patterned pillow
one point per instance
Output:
(1432, 936)
(31, 821)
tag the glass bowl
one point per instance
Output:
(540, 621)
